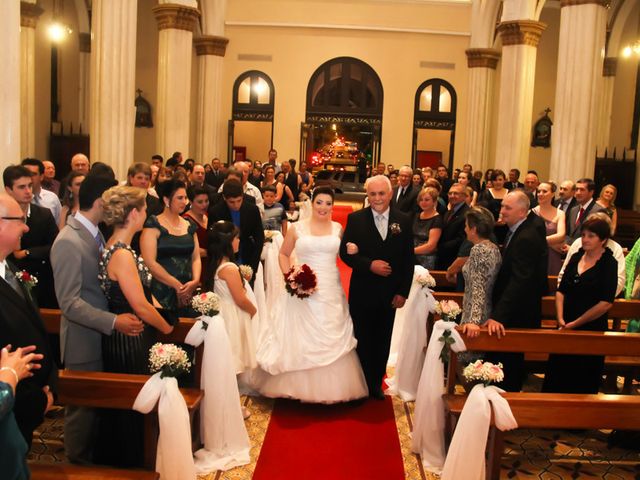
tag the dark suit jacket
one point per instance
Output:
(572, 203)
(291, 181)
(408, 203)
(21, 326)
(38, 240)
(522, 279)
(452, 237)
(251, 232)
(215, 179)
(574, 231)
(397, 249)
(513, 185)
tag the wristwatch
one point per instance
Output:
(27, 253)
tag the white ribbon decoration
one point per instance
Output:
(222, 429)
(466, 456)
(174, 459)
(259, 322)
(409, 331)
(428, 426)
(273, 279)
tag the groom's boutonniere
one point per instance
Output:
(395, 229)
(28, 280)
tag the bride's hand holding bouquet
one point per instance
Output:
(301, 281)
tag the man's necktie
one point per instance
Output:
(579, 217)
(563, 206)
(381, 227)
(13, 281)
(507, 238)
(99, 242)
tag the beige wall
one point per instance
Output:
(256, 137)
(435, 141)
(295, 53)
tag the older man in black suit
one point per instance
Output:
(21, 325)
(381, 279)
(521, 281)
(246, 217)
(453, 231)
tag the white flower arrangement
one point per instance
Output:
(206, 303)
(448, 309)
(247, 272)
(169, 359)
(424, 280)
(485, 372)
(268, 235)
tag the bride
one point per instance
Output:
(309, 351)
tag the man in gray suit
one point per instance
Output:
(85, 315)
(585, 205)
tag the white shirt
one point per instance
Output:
(3, 268)
(383, 226)
(49, 200)
(618, 254)
(88, 224)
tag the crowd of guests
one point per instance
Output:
(84, 238)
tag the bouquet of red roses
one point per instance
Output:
(301, 281)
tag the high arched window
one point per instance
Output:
(434, 123)
(344, 86)
(253, 97)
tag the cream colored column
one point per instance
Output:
(210, 51)
(583, 26)
(84, 97)
(517, 76)
(176, 23)
(113, 68)
(10, 83)
(29, 13)
(482, 63)
(606, 104)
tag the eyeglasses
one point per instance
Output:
(21, 219)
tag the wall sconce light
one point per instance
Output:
(58, 31)
(633, 49)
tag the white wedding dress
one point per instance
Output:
(308, 353)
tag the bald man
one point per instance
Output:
(521, 281)
(21, 325)
(381, 278)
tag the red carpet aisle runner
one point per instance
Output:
(331, 442)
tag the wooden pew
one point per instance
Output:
(119, 391)
(62, 471)
(550, 410)
(442, 283)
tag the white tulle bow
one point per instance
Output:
(174, 459)
(222, 429)
(466, 456)
(428, 426)
(409, 340)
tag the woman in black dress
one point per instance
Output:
(427, 228)
(491, 198)
(584, 297)
(125, 280)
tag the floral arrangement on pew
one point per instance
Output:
(449, 310)
(268, 235)
(483, 372)
(424, 280)
(207, 304)
(168, 359)
(301, 281)
(246, 272)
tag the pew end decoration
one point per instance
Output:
(301, 281)
(222, 428)
(483, 372)
(449, 310)
(174, 459)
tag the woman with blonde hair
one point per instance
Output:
(554, 222)
(607, 199)
(427, 228)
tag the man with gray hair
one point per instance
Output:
(521, 281)
(405, 194)
(248, 188)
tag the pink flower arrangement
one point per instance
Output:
(448, 310)
(169, 359)
(485, 372)
(206, 303)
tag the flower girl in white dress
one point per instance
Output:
(308, 352)
(236, 307)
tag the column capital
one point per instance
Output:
(609, 66)
(29, 13)
(482, 58)
(211, 45)
(570, 3)
(173, 15)
(84, 42)
(521, 32)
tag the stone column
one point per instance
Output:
(84, 97)
(175, 24)
(29, 13)
(583, 26)
(482, 63)
(517, 76)
(210, 50)
(10, 83)
(113, 68)
(606, 104)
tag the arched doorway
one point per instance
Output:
(251, 124)
(434, 124)
(344, 113)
